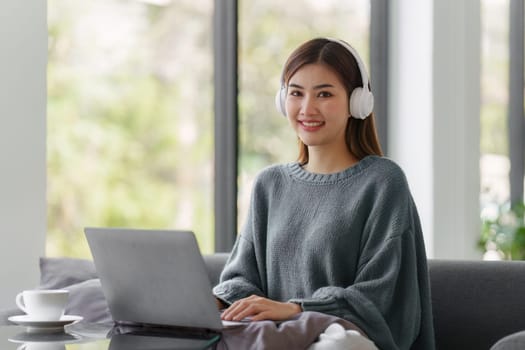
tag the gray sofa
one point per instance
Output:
(476, 304)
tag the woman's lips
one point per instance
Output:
(311, 125)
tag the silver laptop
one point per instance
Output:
(155, 277)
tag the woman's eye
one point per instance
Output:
(324, 94)
(295, 93)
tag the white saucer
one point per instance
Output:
(44, 326)
(58, 338)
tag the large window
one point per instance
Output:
(130, 118)
(494, 161)
(502, 128)
(130, 107)
(268, 31)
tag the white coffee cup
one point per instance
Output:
(43, 304)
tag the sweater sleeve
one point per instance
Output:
(387, 296)
(383, 301)
(240, 277)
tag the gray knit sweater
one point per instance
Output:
(347, 244)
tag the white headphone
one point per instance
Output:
(361, 101)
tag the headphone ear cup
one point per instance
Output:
(361, 103)
(280, 101)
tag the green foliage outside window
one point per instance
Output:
(130, 119)
(504, 232)
(130, 107)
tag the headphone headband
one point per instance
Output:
(361, 102)
(360, 64)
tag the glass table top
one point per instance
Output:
(86, 336)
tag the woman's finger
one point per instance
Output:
(249, 310)
(231, 312)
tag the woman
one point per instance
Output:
(336, 232)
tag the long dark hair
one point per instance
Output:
(361, 134)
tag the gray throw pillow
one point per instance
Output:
(56, 273)
(79, 276)
(87, 300)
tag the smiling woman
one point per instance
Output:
(337, 233)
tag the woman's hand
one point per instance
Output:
(258, 308)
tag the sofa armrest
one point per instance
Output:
(476, 303)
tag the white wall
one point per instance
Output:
(456, 127)
(434, 93)
(410, 96)
(23, 55)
